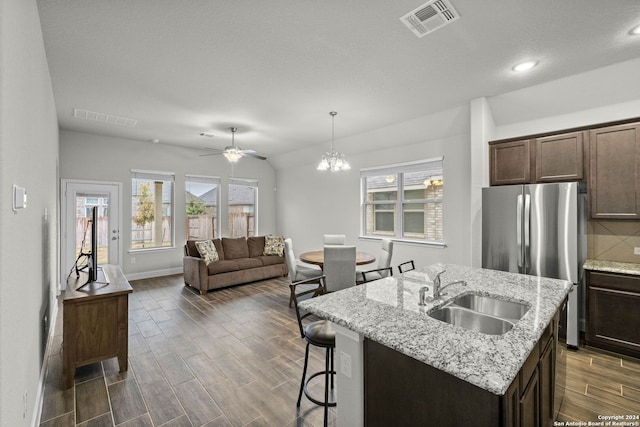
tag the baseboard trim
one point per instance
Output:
(154, 273)
(39, 401)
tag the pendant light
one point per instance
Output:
(333, 161)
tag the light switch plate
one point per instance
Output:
(636, 251)
(19, 197)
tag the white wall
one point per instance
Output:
(28, 243)
(101, 158)
(598, 96)
(311, 203)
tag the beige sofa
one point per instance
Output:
(241, 261)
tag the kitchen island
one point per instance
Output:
(386, 314)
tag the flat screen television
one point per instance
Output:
(92, 254)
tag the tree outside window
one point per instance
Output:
(152, 210)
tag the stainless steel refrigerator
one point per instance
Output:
(538, 229)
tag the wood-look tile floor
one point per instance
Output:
(600, 383)
(232, 357)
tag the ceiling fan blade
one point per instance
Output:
(257, 156)
(213, 153)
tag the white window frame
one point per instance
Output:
(433, 166)
(205, 179)
(155, 175)
(247, 182)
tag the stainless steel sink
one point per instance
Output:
(509, 310)
(472, 320)
(479, 313)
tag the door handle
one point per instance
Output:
(527, 217)
(519, 228)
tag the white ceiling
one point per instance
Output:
(275, 68)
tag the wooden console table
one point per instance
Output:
(95, 321)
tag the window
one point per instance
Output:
(151, 209)
(202, 194)
(243, 204)
(404, 201)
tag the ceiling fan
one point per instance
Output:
(232, 152)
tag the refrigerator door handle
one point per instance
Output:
(527, 242)
(519, 229)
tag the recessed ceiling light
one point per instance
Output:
(155, 140)
(524, 66)
(635, 31)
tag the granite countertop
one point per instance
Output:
(612, 267)
(387, 312)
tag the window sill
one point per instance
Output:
(156, 249)
(431, 244)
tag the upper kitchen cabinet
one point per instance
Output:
(510, 162)
(552, 158)
(614, 176)
(559, 158)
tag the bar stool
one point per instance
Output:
(319, 334)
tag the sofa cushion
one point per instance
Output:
(222, 266)
(193, 251)
(218, 244)
(271, 260)
(207, 251)
(256, 246)
(191, 248)
(247, 263)
(273, 245)
(235, 248)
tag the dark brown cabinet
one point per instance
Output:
(399, 390)
(552, 158)
(547, 380)
(530, 402)
(559, 158)
(510, 162)
(614, 177)
(613, 303)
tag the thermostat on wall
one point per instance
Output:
(19, 198)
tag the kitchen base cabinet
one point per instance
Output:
(547, 379)
(613, 322)
(399, 390)
(530, 402)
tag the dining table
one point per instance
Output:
(317, 258)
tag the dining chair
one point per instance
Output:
(335, 239)
(406, 266)
(318, 333)
(339, 267)
(378, 273)
(297, 269)
(384, 261)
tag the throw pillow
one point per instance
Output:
(207, 251)
(273, 245)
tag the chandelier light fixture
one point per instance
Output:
(333, 161)
(233, 153)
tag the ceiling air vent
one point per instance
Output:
(104, 118)
(429, 17)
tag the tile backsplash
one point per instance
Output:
(613, 240)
